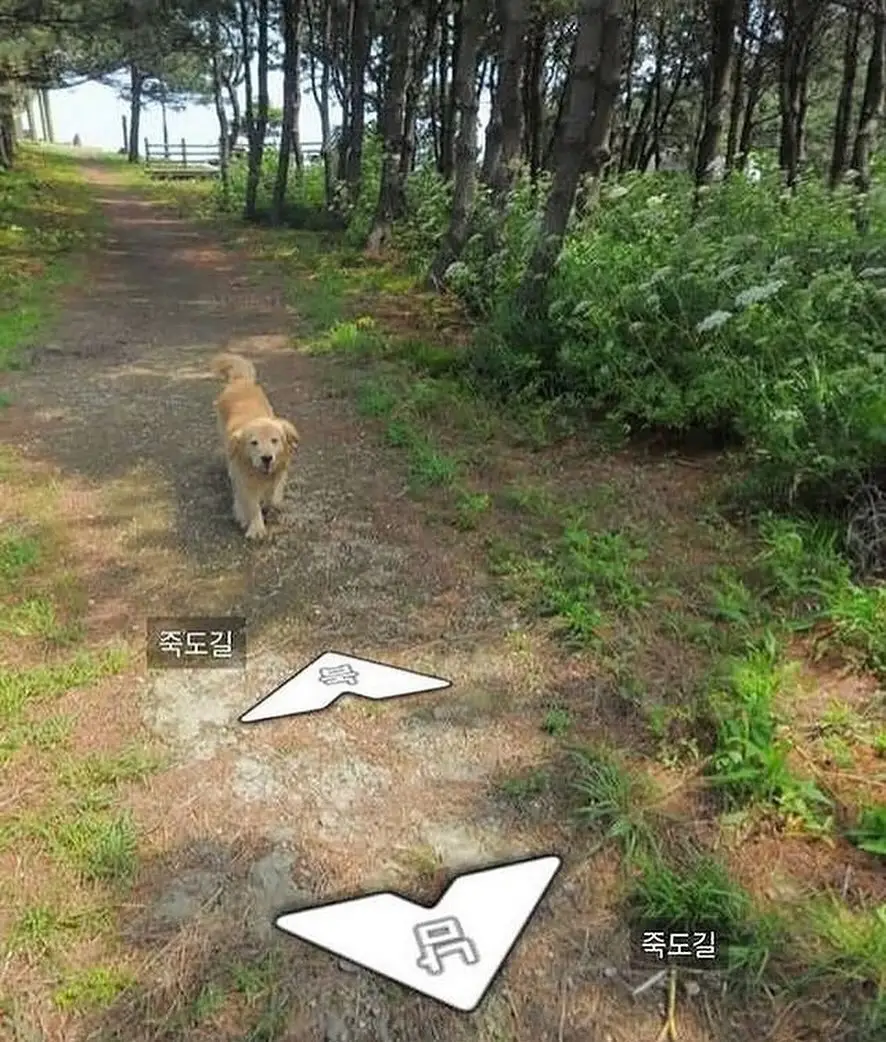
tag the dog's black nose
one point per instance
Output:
(267, 460)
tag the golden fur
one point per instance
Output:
(258, 445)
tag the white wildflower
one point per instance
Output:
(757, 294)
(657, 276)
(458, 273)
(713, 321)
(727, 273)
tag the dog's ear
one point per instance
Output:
(235, 443)
(290, 434)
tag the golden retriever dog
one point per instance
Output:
(258, 444)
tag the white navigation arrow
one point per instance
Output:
(451, 951)
(332, 675)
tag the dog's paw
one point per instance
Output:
(256, 530)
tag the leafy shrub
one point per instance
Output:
(760, 317)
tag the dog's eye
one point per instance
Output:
(254, 441)
(275, 441)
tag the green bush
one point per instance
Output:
(759, 317)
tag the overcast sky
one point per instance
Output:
(94, 112)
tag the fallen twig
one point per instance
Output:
(669, 1029)
(646, 985)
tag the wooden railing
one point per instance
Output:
(195, 160)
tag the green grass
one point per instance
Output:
(846, 948)
(750, 758)
(616, 801)
(81, 829)
(32, 617)
(870, 832)
(699, 892)
(100, 770)
(94, 988)
(557, 722)
(577, 578)
(44, 929)
(20, 688)
(100, 846)
(470, 508)
(808, 579)
(19, 554)
(24, 690)
(50, 733)
(524, 789)
(48, 215)
(376, 398)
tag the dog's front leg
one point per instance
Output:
(278, 490)
(256, 528)
(254, 519)
(247, 511)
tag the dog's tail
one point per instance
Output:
(233, 367)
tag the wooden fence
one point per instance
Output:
(192, 160)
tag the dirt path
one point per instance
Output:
(248, 821)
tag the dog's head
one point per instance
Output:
(266, 444)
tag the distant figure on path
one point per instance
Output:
(76, 141)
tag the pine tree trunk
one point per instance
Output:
(392, 192)
(257, 123)
(449, 59)
(799, 25)
(465, 174)
(224, 130)
(753, 93)
(638, 150)
(361, 41)
(736, 104)
(533, 101)
(236, 116)
(505, 133)
(136, 83)
(872, 100)
(7, 132)
(843, 116)
(290, 31)
(654, 149)
(414, 84)
(322, 92)
(625, 136)
(593, 86)
(47, 108)
(724, 16)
